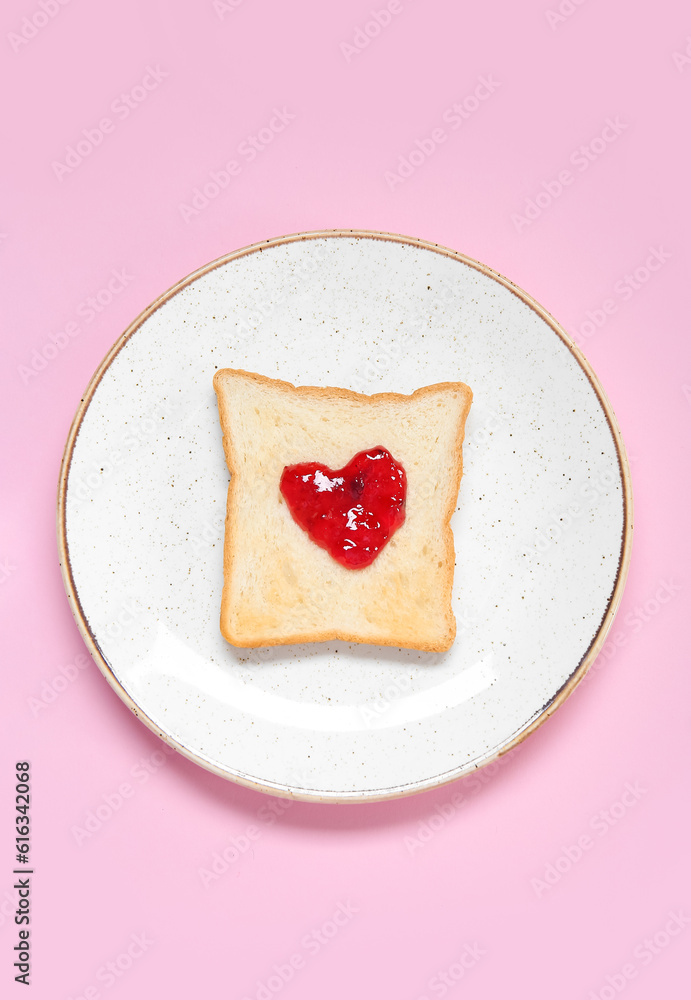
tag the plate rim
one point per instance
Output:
(398, 791)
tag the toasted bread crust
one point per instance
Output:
(328, 393)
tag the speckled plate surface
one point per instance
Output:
(542, 533)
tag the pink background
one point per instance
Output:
(474, 883)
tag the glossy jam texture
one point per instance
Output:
(351, 512)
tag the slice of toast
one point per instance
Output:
(281, 587)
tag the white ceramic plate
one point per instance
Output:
(542, 534)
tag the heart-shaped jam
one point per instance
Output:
(351, 512)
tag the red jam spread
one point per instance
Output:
(351, 512)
